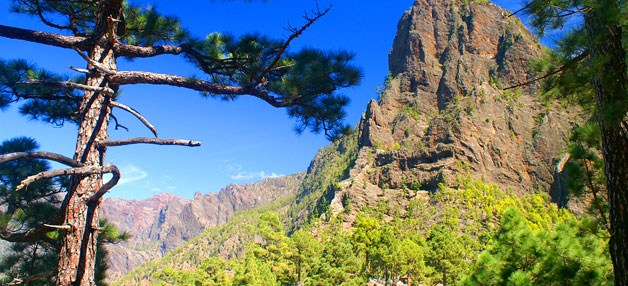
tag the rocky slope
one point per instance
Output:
(163, 222)
(444, 114)
(445, 110)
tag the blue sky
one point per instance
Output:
(243, 141)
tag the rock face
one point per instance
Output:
(445, 112)
(163, 222)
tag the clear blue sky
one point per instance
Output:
(243, 141)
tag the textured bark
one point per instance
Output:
(78, 252)
(611, 89)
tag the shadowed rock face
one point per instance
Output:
(163, 222)
(444, 111)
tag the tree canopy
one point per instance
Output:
(589, 67)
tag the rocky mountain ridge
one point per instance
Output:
(444, 114)
(445, 111)
(162, 222)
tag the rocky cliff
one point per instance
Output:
(444, 114)
(163, 222)
(446, 111)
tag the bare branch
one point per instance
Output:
(38, 233)
(18, 281)
(295, 34)
(86, 170)
(40, 155)
(68, 42)
(135, 77)
(69, 84)
(118, 125)
(136, 114)
(554, 72)
(520, 10)
(94, 63)
(80, 70)
(60, 227)
(155, 141)
(106, 187)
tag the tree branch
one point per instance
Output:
(118, 125)
(61, 227)
(295, 34)
(136, 114)
(36, 233)
(80, 70)
(68, 42)
(87, 170)
(40, 155)
(94, 63)
(69, 84)
(106, 187)
(18, 281)
(156, 141)
(566, 66)
(136, 77)
(520, 10)
(146, 52)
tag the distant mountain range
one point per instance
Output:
(161, 223)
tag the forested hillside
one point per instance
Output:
(450, 177)
(475, 235)
(163, 222)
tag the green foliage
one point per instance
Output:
(447, 251)
(412, 112)
(25, 211)
(50, 104)
(330, 166)
(381, 90)
(571, 252)
(572, 65)
(211, 272)
(585, 169)
(477, 234)
(146, 27)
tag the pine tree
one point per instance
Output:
(590, 66)
(102, 32)
(33, 251)
(572, 252)
(23, 212)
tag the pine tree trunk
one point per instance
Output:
(611, 91)
(77, 256)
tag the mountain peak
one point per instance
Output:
(445, 112)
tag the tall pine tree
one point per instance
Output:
(102, 32)
(589, 66)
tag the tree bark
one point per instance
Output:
(611, 92)
(78, 253)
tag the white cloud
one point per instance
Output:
(254, 175)
(238, 173)
(131, 173)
